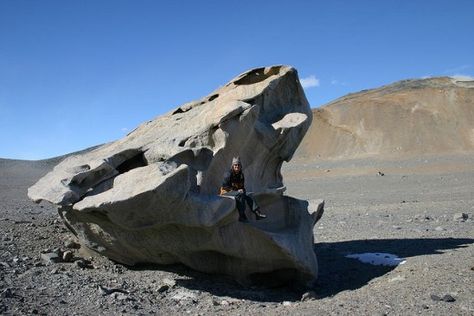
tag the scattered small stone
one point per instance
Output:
(68, 256)
(107, 291)
(397, 278)
(55, 271)
(183, 295)
(50, 258)
(71, 244)
(170, 282)
(461, 217)
(120, 296)
(83, 264)
(58, 251)
(225, 303)
(446, 298)
(4, 264)
(311, 295)
(22, 222)
(439, 228)
(424, 306)
(380, 173)
(80, 263)
(163, 288)
(7, 293)
(286, 303)
(117, 269)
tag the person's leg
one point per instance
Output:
(239, 200)
(254, 207)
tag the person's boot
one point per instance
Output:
(242, 217)
(259, 215)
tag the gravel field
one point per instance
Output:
(419, 209)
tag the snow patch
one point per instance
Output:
(378, 258)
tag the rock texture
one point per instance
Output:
(410, 117)
(152, 196)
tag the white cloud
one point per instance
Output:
(124, 129)
(336, 82)
(309, 82)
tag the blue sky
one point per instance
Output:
(74, 74)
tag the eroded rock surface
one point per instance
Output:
(152, 196)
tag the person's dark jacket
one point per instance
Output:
(233, 182)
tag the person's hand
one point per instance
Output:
(241, 191)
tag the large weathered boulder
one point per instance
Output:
(152, 196)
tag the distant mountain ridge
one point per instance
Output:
(409, 117)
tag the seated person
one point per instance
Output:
(234, 185)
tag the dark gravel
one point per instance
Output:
(409, 212)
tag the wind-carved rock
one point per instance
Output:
(152, 196)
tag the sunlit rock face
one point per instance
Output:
(151, 197)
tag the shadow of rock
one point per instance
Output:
(338, 273)
(225, 286)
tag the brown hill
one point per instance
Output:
(407, 118)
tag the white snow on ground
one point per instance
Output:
(378, 258)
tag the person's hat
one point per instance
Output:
(236, 161)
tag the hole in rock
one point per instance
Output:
(213, 97)
(183, 142)
(257, 75)
(178, 110)
(135, 161)
(82, 168)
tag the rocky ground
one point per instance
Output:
(420, 209)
